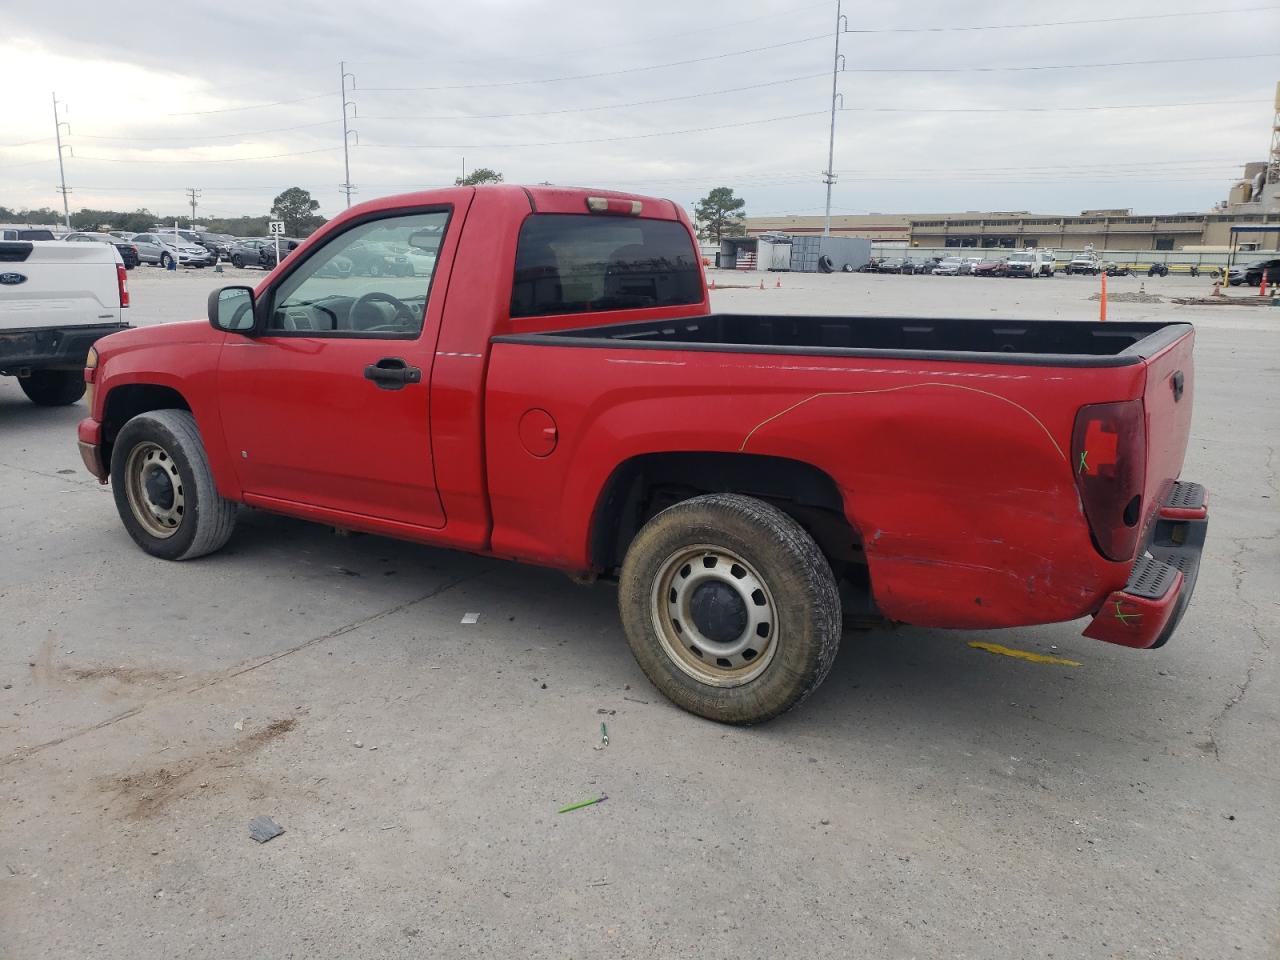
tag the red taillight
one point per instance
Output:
(1109, 457)
(122, 280)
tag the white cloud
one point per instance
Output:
(146, 78)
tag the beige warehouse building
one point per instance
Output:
(1252, 202)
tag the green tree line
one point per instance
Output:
(294, 206)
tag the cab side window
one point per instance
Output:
(370, 280)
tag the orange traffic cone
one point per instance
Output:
(713, 283)
(762, 283)
(1262, 285)
(778, 284)
(1102, 304)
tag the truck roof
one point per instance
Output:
(543, 198)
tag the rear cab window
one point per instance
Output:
(581, 263)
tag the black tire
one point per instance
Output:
(53, 388)
(237, 261)
(375, 269)
(206, 519)
(793, 589)
(825, 264)
(847, 268)
(165, 260)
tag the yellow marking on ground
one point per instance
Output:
(1023, 654)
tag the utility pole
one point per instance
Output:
(58, 124)
(828, 175)
(193, 193)
(346, 185)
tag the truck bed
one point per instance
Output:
(1041, 342)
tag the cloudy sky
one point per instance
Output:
(947, 106)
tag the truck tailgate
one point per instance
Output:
(1167, 402)
(58, 284)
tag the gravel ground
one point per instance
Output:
(930, 800)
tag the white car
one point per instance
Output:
(56, 300)
(164, 248)
(949, 267)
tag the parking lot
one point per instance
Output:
(930, 800)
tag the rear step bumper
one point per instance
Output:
(1147, 611)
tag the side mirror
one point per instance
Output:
(232, 309)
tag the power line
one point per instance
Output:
(1114, 106)
(207, 136)
(606, 106)
(273, 156)
(665, 37)
(1064, 23)
(593, 76)
(1060, 66)
(560, 143)
(25, 143)
(251, 106)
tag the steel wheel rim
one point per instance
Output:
(716, 661)
(159, 515)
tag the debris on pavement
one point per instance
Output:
(585, 803)
(606, 711)
(264, 828)
(470, 618)
(604, 738)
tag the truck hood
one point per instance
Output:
(189, 331)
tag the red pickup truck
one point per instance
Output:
(548, 384)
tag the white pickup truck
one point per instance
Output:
(56, 300)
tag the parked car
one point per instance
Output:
(267, 251)
(989, 268)
(927, 265)
(891, 265)
(219, 244)
(379, 259)
(871, 266)
(19, 233)
(967, 265)
(56, 300)
(535, 407)
(1022, 263)
(1250, 274)
(244, 251)
(127, 250)
(948, 267)
(163, 249)
(1084, 264)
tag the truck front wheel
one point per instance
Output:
(53, 388)
(730, 608)
(164, 489)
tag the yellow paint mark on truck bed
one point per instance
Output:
(1022, 654)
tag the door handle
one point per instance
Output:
(392, 373)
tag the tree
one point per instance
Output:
(298, 211)
(479, 176)
(719, 214)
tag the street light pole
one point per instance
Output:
(828, 175)
(62, 175)
(346, 186)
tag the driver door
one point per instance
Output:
(327, 405)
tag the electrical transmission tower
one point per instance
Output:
(347, 186)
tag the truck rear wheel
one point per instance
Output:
(730, 608)
(164, 489)
(53, 388)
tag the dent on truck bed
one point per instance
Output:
(961, 527)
